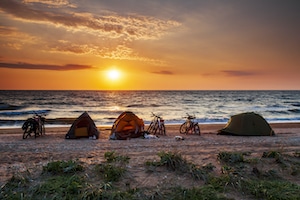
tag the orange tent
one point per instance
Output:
(127, 125)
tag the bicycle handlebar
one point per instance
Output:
(189, 116)
(154, 115)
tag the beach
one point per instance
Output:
(19, 155)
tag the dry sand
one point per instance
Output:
(18, 155)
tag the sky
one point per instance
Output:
(149, 45)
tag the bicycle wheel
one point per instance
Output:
(43, 129)
(36, 132)
(183, 128)
(162, 129)
(196, 129)
(155, 128)
(27, 132)
(151, 127)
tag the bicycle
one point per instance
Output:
(34, 124)
(190, 125)
(157, 125)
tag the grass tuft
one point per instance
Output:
(60, 187)
(62, 167)
(112, 157)
(231, 157)
(175, 162)
(271, 189)
(113, 169)
(13, 189)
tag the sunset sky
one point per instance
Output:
(150, 45)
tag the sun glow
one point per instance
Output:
(113, 74)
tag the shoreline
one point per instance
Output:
(67, 122)
(204, 128)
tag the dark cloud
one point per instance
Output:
(164, 72)
(238, 73)
(44, 66)
(52, 3)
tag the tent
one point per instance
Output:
(247, 124)
(83, 126)
(127, 125)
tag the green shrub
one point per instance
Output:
(60, 187)
(61, 167)
(111, 156)
(271, 189)
(14, 188)
(197, 193)
(110, 172)
(114, 167)
(173, 161)
(201, 173)
(231, 157)
(271, 154)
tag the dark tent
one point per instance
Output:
(247, 124)
(83, 126)
(127, 125)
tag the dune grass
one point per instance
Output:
(240, 174)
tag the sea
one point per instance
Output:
(60, 108)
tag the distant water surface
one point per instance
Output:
(105, 106)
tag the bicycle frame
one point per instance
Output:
(34, 124)
(190, 126)
(157, 125)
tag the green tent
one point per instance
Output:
(247, 124)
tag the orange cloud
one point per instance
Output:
(10, 37)
(119, 52)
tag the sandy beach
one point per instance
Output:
(18, 155)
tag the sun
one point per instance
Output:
(113, 74)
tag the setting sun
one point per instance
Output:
(113, 74)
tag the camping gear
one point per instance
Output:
(150, 136)
(177, 138)
(127, 125)
(83, 126)
(247, 124)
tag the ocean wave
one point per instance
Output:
(278, 111)
(244, 99)
(213, 120)
(4, 106)
(135, 106)
(25, 112)
(276, 106)
(141, 105)
(294, 110)
(283, 119)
